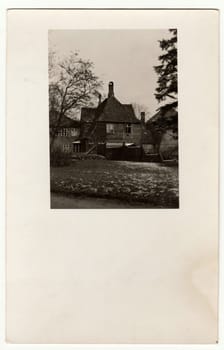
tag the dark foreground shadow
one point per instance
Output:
(61, 201)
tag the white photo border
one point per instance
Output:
(100, 4)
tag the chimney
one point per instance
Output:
(111, 89)
(99, 101)
(143, 117)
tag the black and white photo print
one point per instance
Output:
(116, 110)
(113, 118)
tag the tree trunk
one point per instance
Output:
(55, 131)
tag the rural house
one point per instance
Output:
(112, 129)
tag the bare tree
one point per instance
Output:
(72, 84)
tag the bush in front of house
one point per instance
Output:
(170, 153)
(60, 158)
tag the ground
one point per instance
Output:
(130, 183)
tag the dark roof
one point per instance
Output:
(169, 115)
(65, 122)
(116, 112)
(110, 111)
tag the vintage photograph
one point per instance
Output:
(114, 109)
(113, 118)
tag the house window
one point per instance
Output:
(110, 128)
(64, 132)
(128, 128)
(66, 147)
(74, 131)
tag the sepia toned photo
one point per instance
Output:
(112, 109)
(113, 118)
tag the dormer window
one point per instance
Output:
(128, 128)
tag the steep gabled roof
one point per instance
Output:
(116, 112)
(110, 111)
(65, 122)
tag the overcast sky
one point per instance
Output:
(125, 57)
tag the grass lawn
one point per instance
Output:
(149, 183)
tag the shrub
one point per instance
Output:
(60, 158)
(170, 154)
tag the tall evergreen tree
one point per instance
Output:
(166, 118)
(167, 72)
(166, 91)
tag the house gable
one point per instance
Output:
(94, 120)
(116, 112)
